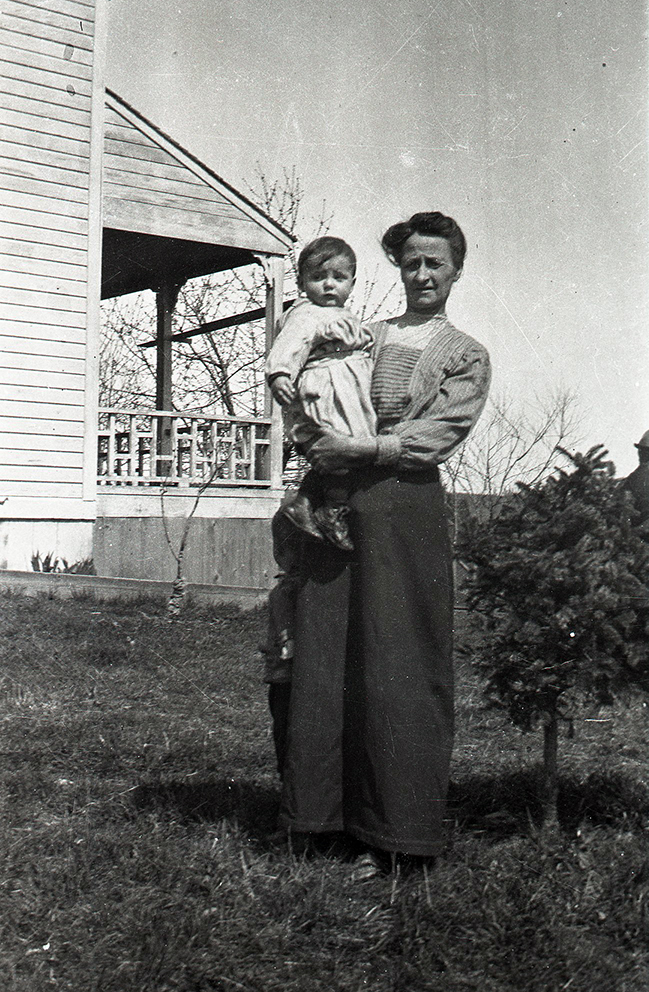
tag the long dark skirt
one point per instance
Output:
(371, 712)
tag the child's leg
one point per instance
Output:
(279, 697)
(335, 490)
(278, 649)
(278, 659)
(312, 486)
(277, 652)
(299, 509)
(287, 545)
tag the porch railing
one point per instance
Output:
(167, 448)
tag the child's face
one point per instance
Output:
(329, 283)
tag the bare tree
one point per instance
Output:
(513, 443)
(282, 199)
(127, 371)
(375, 301)
(222, 370)
(179, 588)
(218, 371)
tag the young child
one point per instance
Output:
(319, 370)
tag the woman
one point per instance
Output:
(371, 708)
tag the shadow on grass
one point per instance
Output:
(495, 807)
(253, 806)
(508, 804)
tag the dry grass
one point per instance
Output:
(138, 792)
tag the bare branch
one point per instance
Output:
(513, 444)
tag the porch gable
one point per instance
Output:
(154, 186)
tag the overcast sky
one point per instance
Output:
(526, 120)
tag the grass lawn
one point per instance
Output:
(138, 790)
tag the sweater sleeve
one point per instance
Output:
(444, 422)
(293, 344)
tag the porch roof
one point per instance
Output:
(167, 216)
(133, 261)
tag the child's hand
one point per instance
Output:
(283, 390)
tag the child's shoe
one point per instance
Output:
(332, 521)
(300, 512)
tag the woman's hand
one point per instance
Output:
(335, 452)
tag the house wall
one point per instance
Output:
(221, 550)
(50, 196)
(229, 539)
(52, 105)
(63, 539)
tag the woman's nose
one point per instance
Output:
(422, 273)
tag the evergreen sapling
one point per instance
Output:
(557, 578)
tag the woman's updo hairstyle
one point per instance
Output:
(434, 225)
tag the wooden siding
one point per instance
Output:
(46, 67)
(233, 552)
(150, 185)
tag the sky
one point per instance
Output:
(526, 120)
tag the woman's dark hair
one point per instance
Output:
(321, 250)
(435, 225)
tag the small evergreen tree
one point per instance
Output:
(558, 579)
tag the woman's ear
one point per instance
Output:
(457, 275)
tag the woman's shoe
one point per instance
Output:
(367, 866)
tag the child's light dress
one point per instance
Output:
(326, 353)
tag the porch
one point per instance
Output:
(162, 472)
(187, 451)
(107, 207)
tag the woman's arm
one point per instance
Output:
(421, 442)
(334, 452)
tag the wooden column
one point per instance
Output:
(274, 273)
(166, 297)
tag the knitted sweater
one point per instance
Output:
(446, 393)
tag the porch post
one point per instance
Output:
(165, 297)
(274, 272)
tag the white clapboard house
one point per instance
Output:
(97, 202)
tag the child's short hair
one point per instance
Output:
(321, 250)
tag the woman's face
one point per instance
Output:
(427, 273)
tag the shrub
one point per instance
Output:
(49, 563)
(557, 577)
